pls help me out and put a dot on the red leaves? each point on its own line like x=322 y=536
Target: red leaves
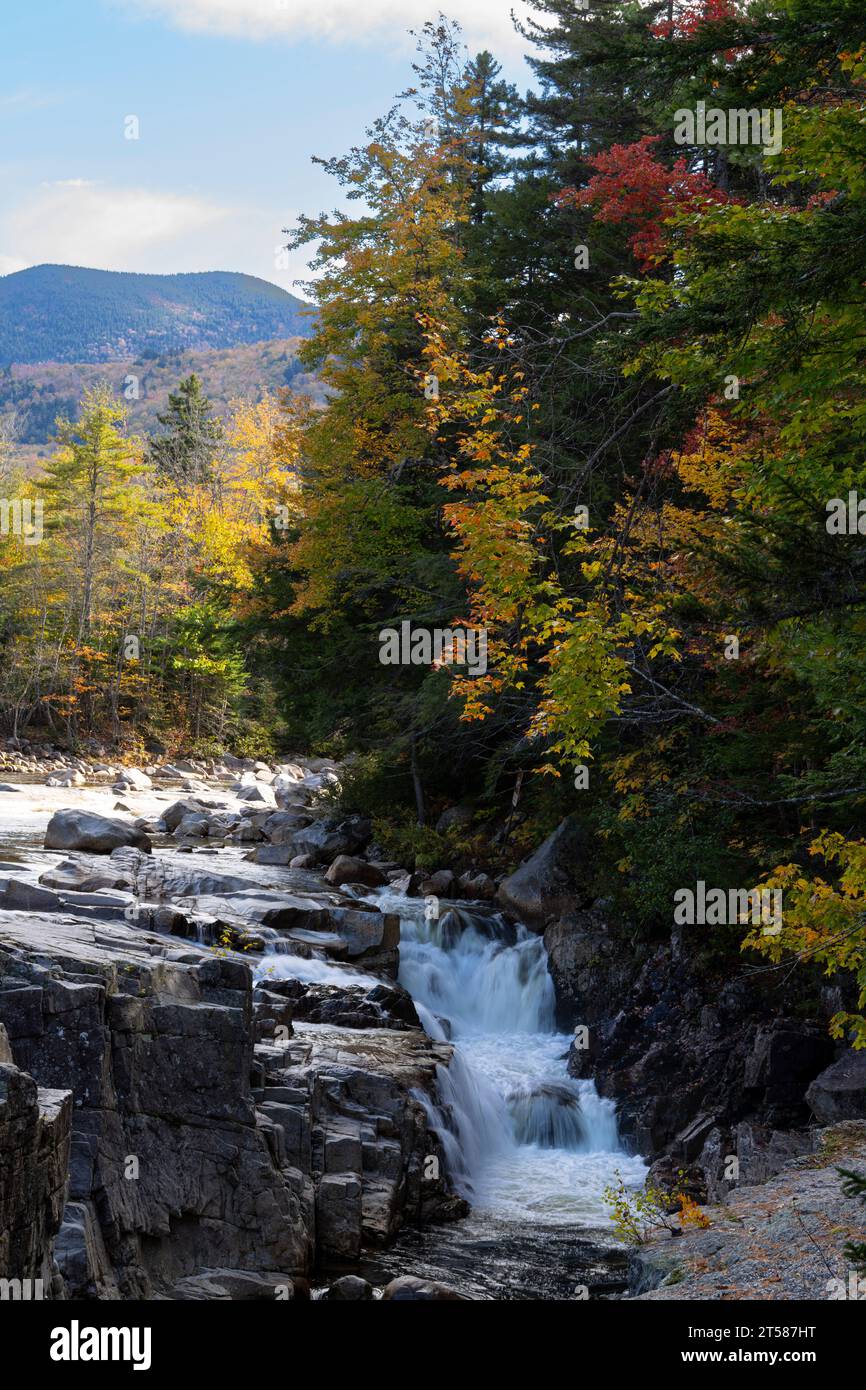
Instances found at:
x=631 y=185
x=691 y=16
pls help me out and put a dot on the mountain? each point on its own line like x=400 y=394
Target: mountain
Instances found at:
x=66 y=313
x=34 y=394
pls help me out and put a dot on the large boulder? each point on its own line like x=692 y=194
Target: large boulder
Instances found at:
x=839 y=1093
x=325 y=839
x=440 y=884
x=86 y=830
x=195 y=825
x=348 y=869
x=172 y=816
x=281 y=826
x=548 y=884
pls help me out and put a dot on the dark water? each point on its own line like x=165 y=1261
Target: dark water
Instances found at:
x=485 y=1258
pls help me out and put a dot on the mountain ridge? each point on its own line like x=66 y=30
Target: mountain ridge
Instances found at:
x=60 y=313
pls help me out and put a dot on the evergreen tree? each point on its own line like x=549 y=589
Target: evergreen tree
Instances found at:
x=185 y=453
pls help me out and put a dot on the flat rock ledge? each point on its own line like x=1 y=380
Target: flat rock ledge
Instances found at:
x=782 y=1240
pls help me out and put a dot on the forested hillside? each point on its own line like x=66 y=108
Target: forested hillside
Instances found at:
x=33 y=395
x=66 y=313
x=595 y=379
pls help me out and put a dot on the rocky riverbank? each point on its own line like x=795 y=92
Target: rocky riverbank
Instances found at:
x=213 y=1086
x=783 y=1239
x=170 y=1124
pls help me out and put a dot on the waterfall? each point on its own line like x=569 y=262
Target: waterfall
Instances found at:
x=522 y=1138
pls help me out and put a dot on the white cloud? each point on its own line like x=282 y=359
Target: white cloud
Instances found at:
x=485 y=22
x=77 y=222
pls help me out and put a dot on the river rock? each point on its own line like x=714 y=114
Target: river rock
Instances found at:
x=275 y=854
x=349 y=1006
x=194 y=825
x=85 y=830
x=348 y=869
x=172 y=816
x=326 y=839
x=477 y=886
x=257 y=794
x=281 y=826
x=134 y=778
x=408 y=883
x=66 y=779
x=408 y=1288
x=349 y=1289
x=440 y=884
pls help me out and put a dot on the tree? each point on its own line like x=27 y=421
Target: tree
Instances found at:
x=185 y=453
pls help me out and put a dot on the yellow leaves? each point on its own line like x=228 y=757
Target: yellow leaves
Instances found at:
x=691 y=1215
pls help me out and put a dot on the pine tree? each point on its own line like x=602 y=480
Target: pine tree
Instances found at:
x=185 y=453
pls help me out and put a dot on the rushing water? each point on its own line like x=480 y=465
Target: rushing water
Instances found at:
x=524 y=1140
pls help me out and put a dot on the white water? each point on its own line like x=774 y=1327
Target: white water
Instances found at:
x=523 y=1139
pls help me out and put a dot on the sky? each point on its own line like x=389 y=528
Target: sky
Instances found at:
x=229 y=100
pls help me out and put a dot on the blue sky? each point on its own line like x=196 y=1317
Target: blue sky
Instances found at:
x=232 y=98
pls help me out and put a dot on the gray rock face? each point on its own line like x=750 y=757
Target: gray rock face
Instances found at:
x=211 y=1140
x=839 y=1093
x=85 y=830
x=35 y=1128
x=548 y=884
x=170 y=1170
x=760 y=1155
x=344 y=1107
x=82 y=876
x=24 y=897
